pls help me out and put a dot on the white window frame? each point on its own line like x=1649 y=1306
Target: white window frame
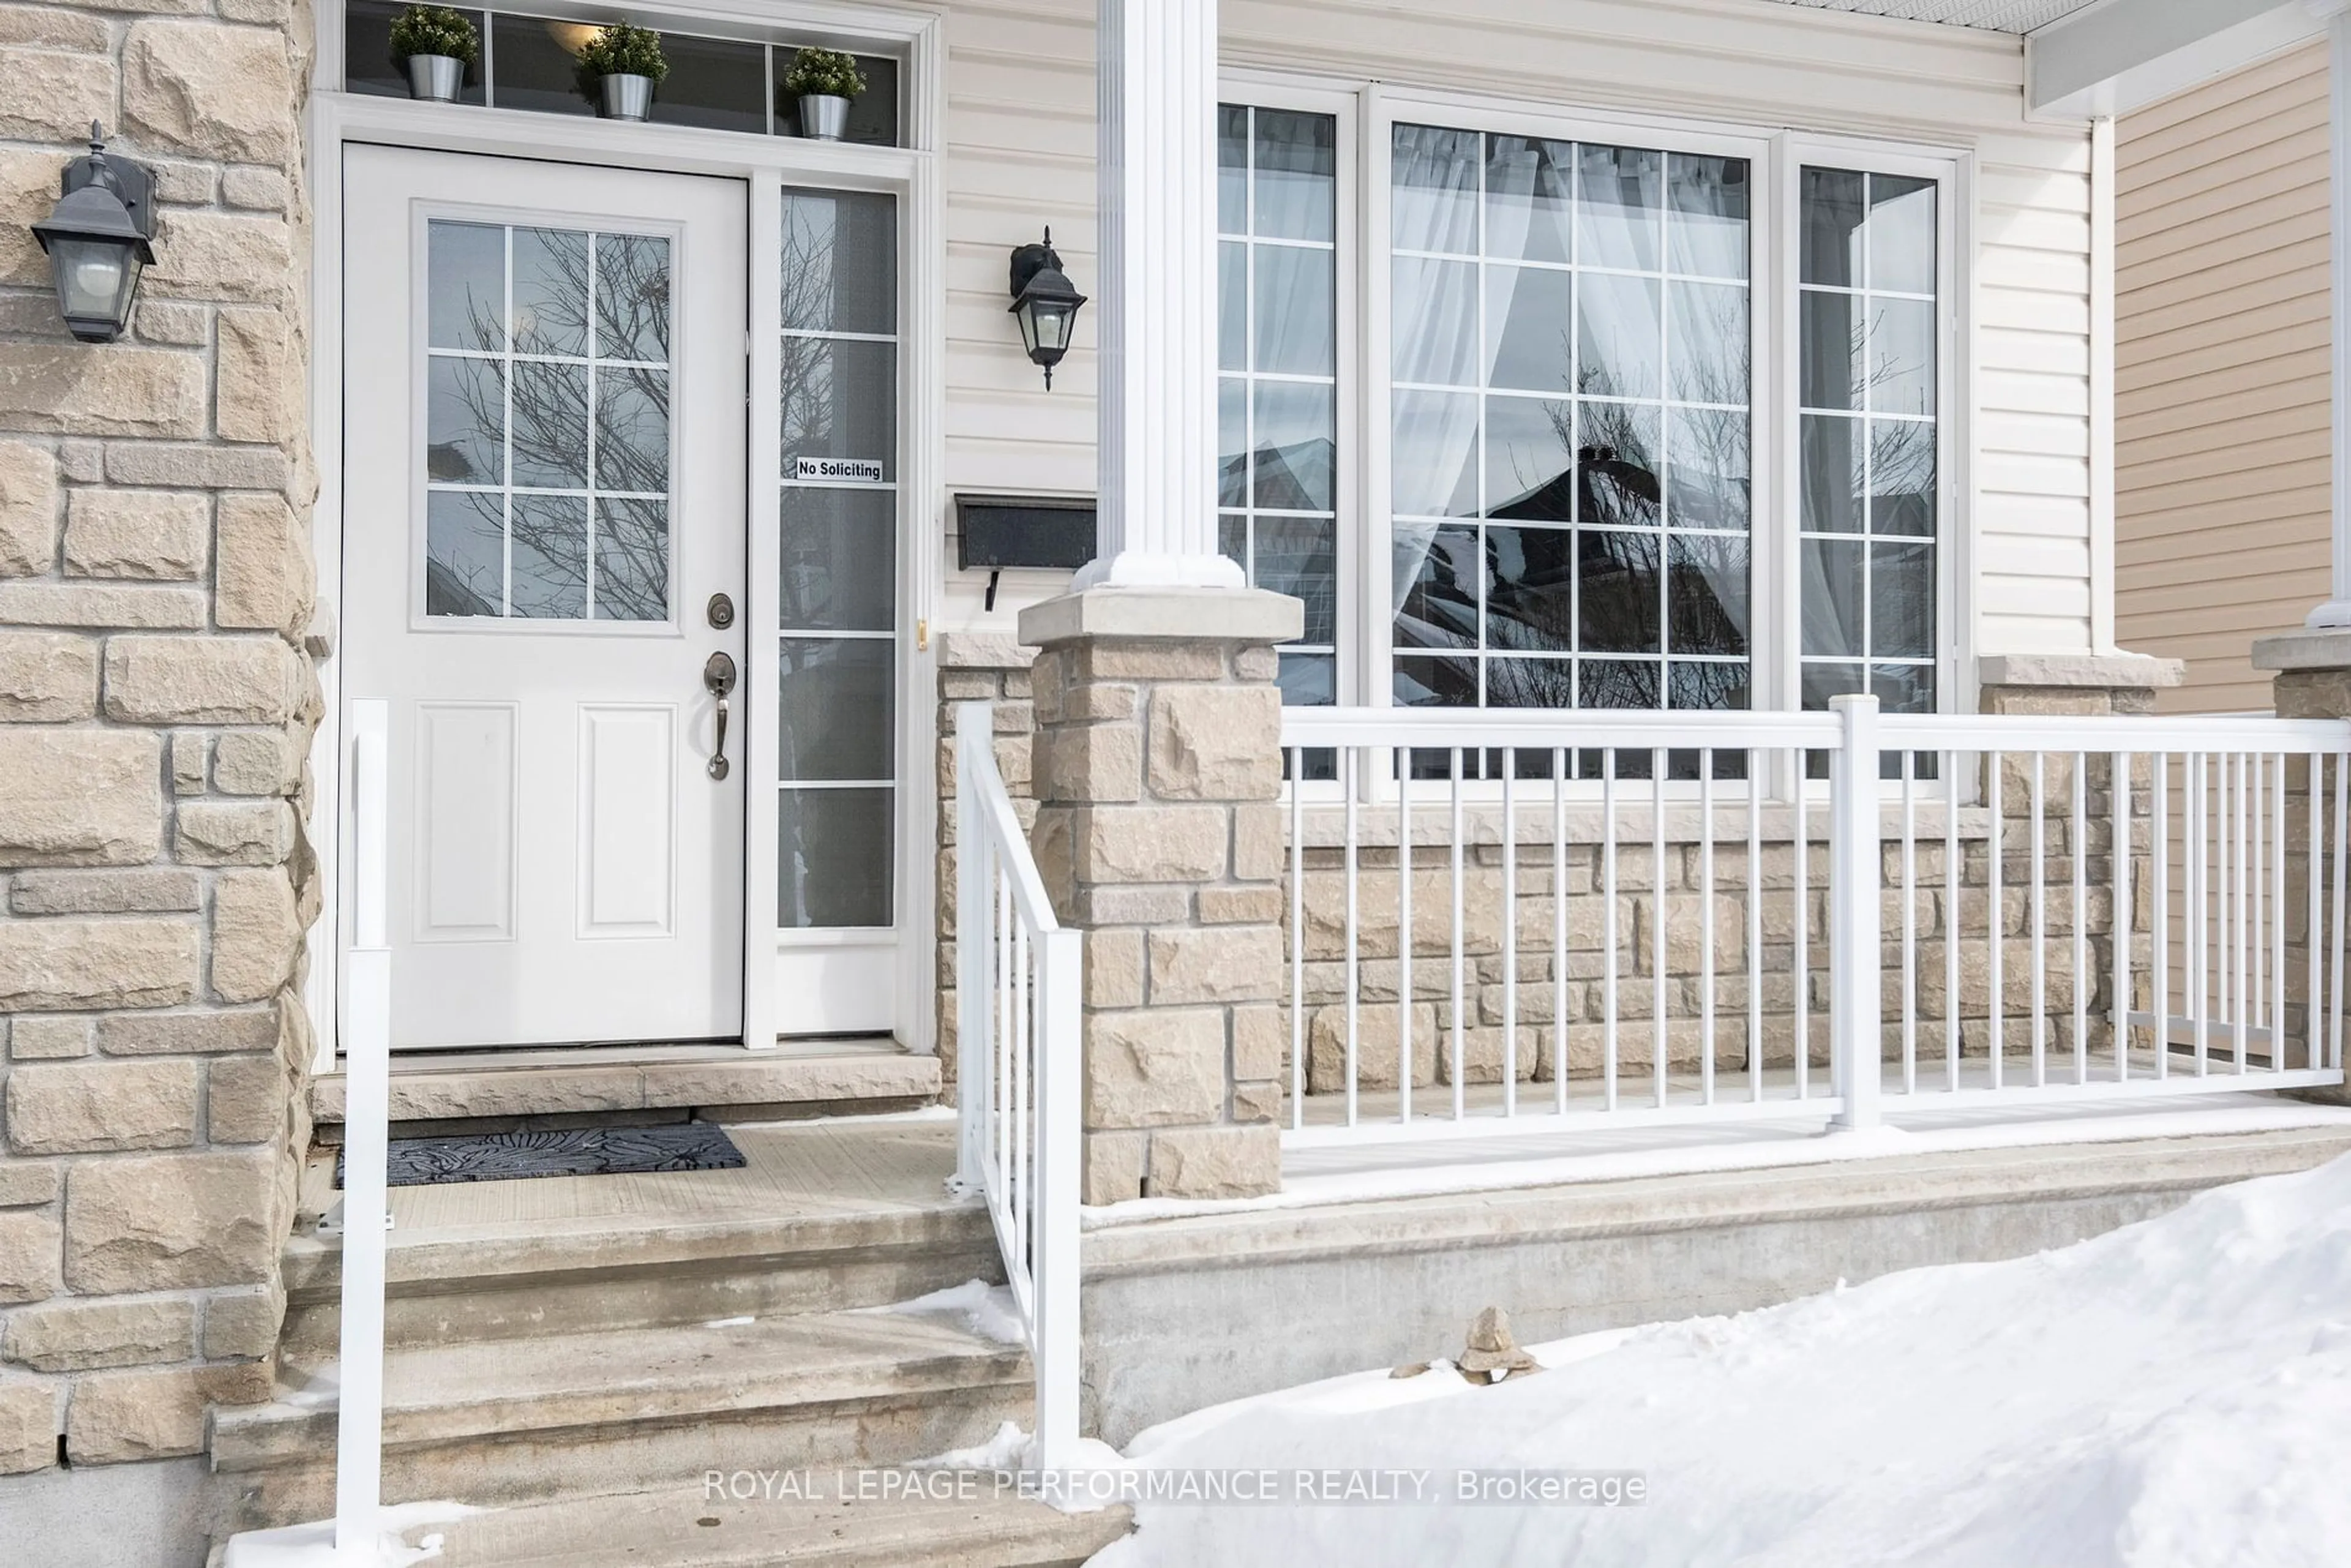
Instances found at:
x=1368 y=113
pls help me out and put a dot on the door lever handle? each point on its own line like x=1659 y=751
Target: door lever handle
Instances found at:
x=718 y=678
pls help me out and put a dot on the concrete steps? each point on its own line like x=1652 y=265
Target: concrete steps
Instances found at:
x=498 y=1422
x=576 y=1354
x=683 y=1528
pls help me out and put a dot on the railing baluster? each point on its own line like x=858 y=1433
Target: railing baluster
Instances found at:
x=1706 y=924
x=1608 y=927
x=1996 y=920
x=1954 y=878
x=1403 y=935
x=1803 y=847
x=2334 y=992
x=1297 y=936
x=2315 y=777
x=1346 y=770
x=2040 y=925
x=2123 y=920
x=2277 y=917
x=2159 y=949
x=1754 y=890
x=1659 y=1046
x=2079 y=845
x=1909 y=922
x=2196 y=787
x=1559 y=929
x=1460 y=1099
x=1509 y=933
x=2239 y=997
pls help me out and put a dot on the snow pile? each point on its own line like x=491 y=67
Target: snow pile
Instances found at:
x=2178 y=1392
x=313 y=1545
x=987 y=1311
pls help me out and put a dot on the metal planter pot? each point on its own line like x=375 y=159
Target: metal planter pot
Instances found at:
x=625 y=96
x=435 y=77
x=824 y=118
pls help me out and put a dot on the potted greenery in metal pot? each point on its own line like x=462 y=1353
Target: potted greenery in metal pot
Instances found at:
x=824 y=82
x=434 y=45
x=618 y=69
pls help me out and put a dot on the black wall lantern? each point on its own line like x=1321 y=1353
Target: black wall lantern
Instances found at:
x=97 y=237
x=1045 y=302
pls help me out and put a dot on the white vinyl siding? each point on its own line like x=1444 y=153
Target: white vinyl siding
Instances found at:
x=2221 y=400
x=1020 y=154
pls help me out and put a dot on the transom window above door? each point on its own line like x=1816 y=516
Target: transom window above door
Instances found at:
x=547 y=428
x=1615 y=451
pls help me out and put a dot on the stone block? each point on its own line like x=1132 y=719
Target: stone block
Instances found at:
x=1150 y=843
x=255 y=762
x=246 y=1102
x=80 y=796
x=1216 y=964
x=211 y=91
x=116 y=1417
x=256 y=190
x=165 y=1222
x=85 y=1336
x=34 y=1038
x=222 y=256
x=1145 y=659
x=1214 y=1162
x=1091 y=762
x=1215 y=743
x=29 y=1184
x=154 y=536
x=1241 y=906
x=89 y=604
x=1114 y=969
x=1260 y=842
x=140 y=891
x=101 y=1106
x=48 y=27
x=29 y=1249
x=240 y=833
x=1260 y=1041
x=210 y=1032
x=1113 y=1166
x=53 y=96
x=1165 y=904
x=258 y=378
x=195 y=468
x=175 y=322
x=202 y=680
x=47 y=677
x=82 y=461
x=1378 y=1059
x=1257 y=1102
x=189 y=751
x=28 y=503
x=116 y=389
x=1482 y=1055
x=68 y=964
x=28 y=1424
x=244 y=1323
x=256 y=935
x=1155 y=1066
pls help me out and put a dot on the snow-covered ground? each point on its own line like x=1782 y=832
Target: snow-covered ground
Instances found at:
x=2177 y=1393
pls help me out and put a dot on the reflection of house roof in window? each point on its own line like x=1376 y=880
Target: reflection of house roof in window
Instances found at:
x=1295 y=478
x=1548 y=502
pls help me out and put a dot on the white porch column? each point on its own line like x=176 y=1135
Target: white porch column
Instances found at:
x=2337 y=610
x=1157 y=166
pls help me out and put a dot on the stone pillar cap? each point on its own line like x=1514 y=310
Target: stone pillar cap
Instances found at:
x=2325 y=648
x=2109 y=671
x=1182 y=614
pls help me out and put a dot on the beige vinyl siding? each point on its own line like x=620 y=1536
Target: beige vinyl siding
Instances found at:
x=2221 y=368
x=1019 y=85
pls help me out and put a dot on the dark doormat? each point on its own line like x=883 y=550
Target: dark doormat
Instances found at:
x=572 y=1151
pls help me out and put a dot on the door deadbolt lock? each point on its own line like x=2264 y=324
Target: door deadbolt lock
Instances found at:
x=719 y=679
x=721 y=611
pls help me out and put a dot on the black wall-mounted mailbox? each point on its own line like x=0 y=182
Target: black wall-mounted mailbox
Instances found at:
x=1046 y=533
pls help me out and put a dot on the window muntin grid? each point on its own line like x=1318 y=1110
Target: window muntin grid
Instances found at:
x=1570 y=422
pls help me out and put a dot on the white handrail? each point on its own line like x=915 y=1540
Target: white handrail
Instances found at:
x=1017 y=1023
x=367 y=1106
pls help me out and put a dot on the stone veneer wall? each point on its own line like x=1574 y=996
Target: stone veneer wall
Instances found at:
x=157 y=699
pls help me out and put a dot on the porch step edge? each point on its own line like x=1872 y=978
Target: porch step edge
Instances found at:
x=479 y=1091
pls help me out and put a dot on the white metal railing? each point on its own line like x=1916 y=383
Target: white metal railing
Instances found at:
x=1812 y=914
x=1017 y=1075
x=366 y=1109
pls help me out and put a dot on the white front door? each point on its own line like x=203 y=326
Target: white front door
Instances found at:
x=544 y=529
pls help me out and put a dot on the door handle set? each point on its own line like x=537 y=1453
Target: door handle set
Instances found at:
x=719 y=679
